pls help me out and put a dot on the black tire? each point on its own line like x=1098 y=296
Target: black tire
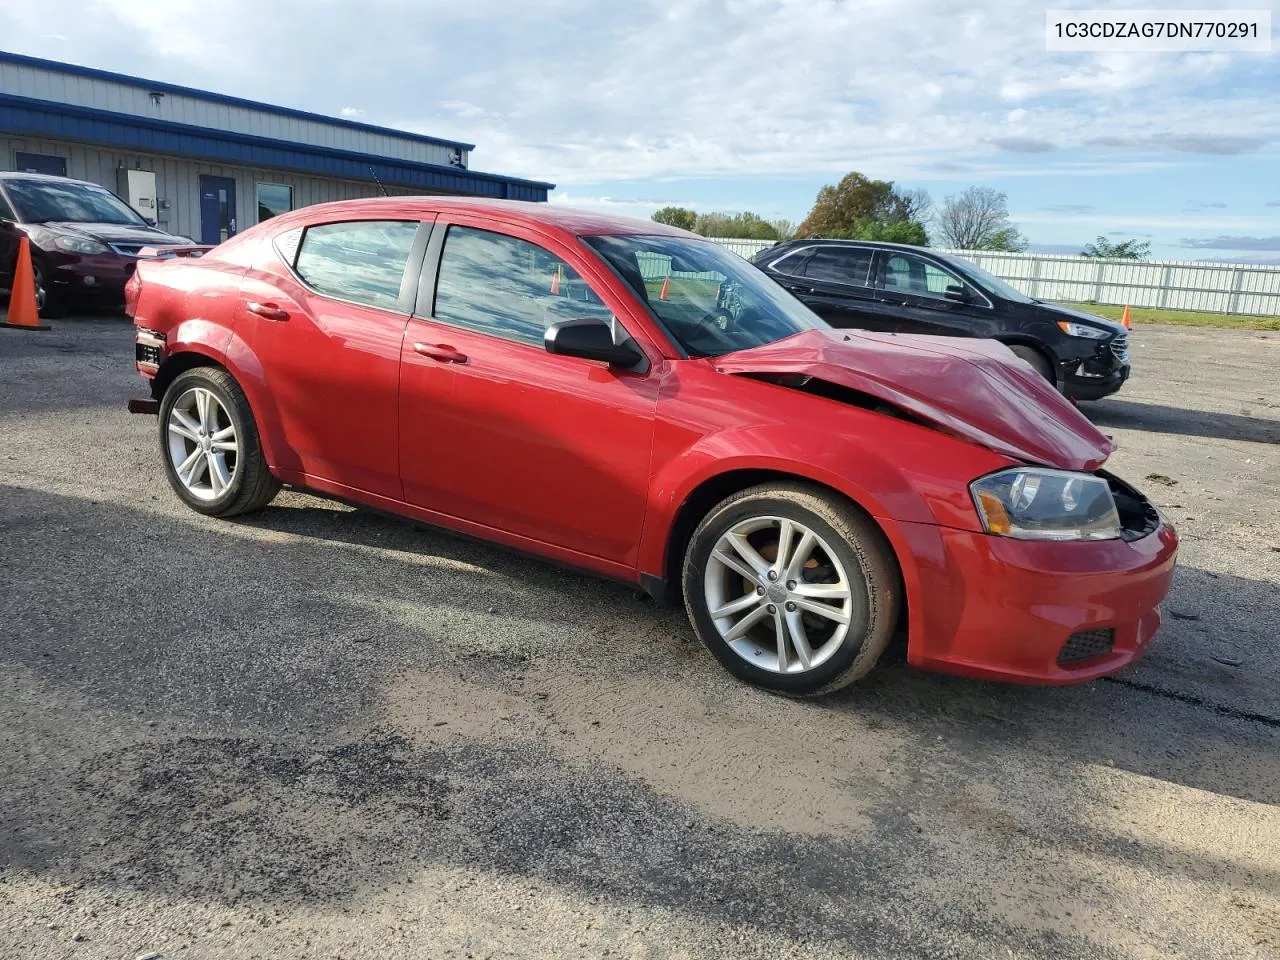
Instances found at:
x=861 y=549
x=1037 y=360
x=50 y=304
x=252 y=485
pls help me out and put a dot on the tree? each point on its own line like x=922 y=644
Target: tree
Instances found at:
x=676 y=217
x=742 y=226
x=978 y=219
x=1117 y=250
x=864 y=209
x=785 y=229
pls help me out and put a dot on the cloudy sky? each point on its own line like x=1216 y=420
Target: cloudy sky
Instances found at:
x=749 y=104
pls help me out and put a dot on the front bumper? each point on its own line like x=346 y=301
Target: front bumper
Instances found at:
x=1036 y=611
x=1094 y=369
x=98 y=277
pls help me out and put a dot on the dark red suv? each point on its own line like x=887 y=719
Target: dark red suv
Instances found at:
x=84 y=239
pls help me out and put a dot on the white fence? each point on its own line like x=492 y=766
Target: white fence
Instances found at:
x=1244 y=288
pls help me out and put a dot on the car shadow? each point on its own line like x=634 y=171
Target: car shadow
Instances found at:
x=1159 y=418
x=196 y=713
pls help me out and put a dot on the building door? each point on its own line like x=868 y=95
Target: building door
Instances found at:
x=217 y=208
x=40 y=163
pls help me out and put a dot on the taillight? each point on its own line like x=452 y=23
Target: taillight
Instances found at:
x=132 y=289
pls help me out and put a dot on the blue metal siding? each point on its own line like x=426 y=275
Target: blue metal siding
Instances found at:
x=28 y=82
x=68 y=122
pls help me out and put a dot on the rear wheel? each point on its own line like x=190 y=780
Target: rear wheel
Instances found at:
x=792 y=589
x=1037 y=360
x=209 y=441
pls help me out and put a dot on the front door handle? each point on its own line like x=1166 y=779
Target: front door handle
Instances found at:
x=440 y=351
x=268 y=311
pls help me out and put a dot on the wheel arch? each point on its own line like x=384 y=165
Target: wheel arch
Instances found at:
x=179 y=363
x=1022 y=340
x=667 y=588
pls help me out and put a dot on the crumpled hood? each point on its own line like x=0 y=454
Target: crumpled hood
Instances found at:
x=974 y=389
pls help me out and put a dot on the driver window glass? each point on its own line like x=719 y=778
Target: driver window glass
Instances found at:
x=509 y=288
x=840 y=265
x=904 y=273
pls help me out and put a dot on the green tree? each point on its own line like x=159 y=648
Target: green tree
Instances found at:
x=978 y=219
x=1103 y=248
x=676 y=217
x=860 y=208
x=742 y=226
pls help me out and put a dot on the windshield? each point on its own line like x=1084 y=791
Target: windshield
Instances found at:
x=710 y=300
x=992 y=284
x=45 y=201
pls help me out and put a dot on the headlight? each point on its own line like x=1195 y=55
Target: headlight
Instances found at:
x=1036 y=503
x=81 y=245
x=1082 y=330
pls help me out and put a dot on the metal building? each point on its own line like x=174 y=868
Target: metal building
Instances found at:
x=204 y=165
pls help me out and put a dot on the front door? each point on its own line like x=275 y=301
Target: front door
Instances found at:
x=915 y=290
x=495 y=430
x=326 y=320
x=217 y=208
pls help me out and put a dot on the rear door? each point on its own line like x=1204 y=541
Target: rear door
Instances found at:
x=913 y=290
x=544 y=448
x=326 y=316
x=834 y=281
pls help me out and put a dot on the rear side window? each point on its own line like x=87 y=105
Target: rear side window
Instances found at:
x=509 y=288
x=362 y=261
x=840 y=265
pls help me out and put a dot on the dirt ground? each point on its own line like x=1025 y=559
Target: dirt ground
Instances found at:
x=319 y=732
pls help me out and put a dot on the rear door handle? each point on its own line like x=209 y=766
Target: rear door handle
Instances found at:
x=440 y=351
x=268 y=311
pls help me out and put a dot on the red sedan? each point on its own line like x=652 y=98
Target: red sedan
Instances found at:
x=636 y=401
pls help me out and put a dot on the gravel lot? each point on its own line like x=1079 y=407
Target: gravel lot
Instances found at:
x=319 y=732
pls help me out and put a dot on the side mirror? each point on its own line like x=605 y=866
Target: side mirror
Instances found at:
x=956 y=293
x=591 y=339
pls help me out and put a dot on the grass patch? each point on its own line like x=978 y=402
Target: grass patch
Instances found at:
x=1182 y=318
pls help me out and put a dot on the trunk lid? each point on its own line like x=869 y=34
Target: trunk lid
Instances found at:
x=974 y=389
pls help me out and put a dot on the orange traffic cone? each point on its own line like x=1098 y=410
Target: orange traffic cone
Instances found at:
x=555 y=282
x=666 y=287
x=1124 y=320
x=23 y=313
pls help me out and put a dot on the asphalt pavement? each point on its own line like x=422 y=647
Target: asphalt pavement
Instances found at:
x=322 y=732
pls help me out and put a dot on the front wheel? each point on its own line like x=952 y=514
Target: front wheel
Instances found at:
x=50 y=304
x=791 y=588
x=209 y=441
x=1039 y=362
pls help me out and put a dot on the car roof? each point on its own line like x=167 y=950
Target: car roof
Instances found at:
x=837 y=241
x=583 y=223
x=46 y=177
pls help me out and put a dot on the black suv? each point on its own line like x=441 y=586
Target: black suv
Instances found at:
x=901 y=289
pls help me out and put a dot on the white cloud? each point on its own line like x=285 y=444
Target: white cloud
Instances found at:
x=351 y=112
x=578 y=91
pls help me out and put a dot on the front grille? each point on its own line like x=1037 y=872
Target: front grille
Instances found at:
x=148 y=353
x=1120 y=347
x=127 y=249
x=1086 y=645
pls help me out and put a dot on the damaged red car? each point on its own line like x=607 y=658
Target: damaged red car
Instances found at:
x=637 y=401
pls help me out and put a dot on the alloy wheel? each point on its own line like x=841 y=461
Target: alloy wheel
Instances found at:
x=778 y=594
x=203 y=446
